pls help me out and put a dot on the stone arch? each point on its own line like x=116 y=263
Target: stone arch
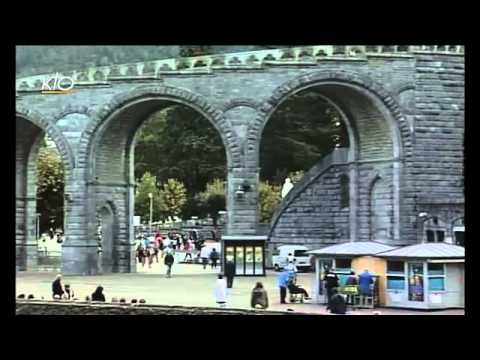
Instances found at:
x=251 y=103
x=380 y=207
x=165 y=93
x=48 y=126
x=106 y=210
x=380 y=130
x=32 y=125
x=72 y=109
x=398 y=126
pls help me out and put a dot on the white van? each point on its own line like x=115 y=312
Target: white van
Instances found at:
x=279 y=257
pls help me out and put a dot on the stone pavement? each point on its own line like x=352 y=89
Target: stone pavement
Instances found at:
x=190 y=285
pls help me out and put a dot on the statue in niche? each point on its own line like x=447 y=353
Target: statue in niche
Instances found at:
x=287 y=186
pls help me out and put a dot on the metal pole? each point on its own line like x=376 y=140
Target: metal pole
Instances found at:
x=150 y=195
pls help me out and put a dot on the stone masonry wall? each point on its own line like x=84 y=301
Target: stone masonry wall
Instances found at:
x=58 y=308
x=315 y=218
x=439 y=126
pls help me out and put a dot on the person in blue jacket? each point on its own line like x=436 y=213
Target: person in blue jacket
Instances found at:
x=365 y=279
x=283 y=278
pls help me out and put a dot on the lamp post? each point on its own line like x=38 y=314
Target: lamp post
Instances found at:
x=150 y=195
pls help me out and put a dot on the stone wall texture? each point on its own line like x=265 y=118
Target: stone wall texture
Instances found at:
x=58 y=308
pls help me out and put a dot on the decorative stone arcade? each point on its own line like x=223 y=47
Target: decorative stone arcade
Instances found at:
x=396 y=101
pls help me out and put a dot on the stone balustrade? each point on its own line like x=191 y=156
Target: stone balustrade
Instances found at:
x=248 y=60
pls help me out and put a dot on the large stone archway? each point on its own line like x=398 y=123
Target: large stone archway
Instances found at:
x=106 y=155
x=30 y=130
x=381 y=146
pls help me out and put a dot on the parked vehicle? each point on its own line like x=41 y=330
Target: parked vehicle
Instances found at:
x=302 y=260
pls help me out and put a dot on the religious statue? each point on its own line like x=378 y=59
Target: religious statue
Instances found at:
x=287 y=186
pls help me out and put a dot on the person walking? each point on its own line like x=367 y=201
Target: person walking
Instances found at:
x=204 y=254
x=98 y=294
x=141 y=255
x=169 y=260
x=283 y=278
x=259 y=297
x=57 y=287
x=214 y=258
x=188 y=251
x=220 y=291
x=331 y=283
x=229 y=273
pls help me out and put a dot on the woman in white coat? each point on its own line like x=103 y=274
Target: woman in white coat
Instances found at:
x=220 y=291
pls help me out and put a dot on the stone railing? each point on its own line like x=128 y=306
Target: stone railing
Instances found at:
x=39 y=307
x=303 y=55
x=338 y=156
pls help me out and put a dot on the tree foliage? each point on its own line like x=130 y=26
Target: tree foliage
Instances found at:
x=50 y=188
x=174 y=196
x=179 y=143
x=213 y=199
x=148 y=185
x=269 y=197
x=302 y=130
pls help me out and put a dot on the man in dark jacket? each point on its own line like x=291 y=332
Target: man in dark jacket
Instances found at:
x=57 y=287
x=169 y=260
x=98 y=294
x=214 y=257
x=229 y=273
x=337 y=303
x=331 y=282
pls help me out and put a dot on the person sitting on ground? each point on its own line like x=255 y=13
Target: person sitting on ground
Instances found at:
x=337 y=304
x=57 y=287
x=98 y=294
x=259 y=297
x=68 y=292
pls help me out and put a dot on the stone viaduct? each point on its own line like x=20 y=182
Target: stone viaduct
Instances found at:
x=403 y=107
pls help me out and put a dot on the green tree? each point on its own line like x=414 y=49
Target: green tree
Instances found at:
x=269 y=199
x=148 y=185
x=213 y=199
x=50 y=188
x=174 y=196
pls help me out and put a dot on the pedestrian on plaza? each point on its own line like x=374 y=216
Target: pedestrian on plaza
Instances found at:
x=98 y=294
x=220 y=291
x=331 y=283
x=259 y=297
x=141 y=255
x=169 y=260
x=204 y=254
x=214 y=258
x=57 y=287
x=365 y=279
x=188 y=251
x=337 y=304
x=151 y=254
x=283 y=278
x=293 y=288
x=229 y=273
x=68 y=292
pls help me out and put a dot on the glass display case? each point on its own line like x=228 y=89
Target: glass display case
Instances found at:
x=247 y=255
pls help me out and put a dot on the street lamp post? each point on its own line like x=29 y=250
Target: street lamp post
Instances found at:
x=150 y=195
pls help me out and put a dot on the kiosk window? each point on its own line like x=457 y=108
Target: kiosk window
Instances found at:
x=436 y=277
x=415 y=282
x=395 y=275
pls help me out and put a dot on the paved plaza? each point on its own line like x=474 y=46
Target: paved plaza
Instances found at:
x=190 y=285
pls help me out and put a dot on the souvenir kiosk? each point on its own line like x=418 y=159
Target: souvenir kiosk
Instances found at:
x=425 y=276
x=247 y=253
x=347 y=257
